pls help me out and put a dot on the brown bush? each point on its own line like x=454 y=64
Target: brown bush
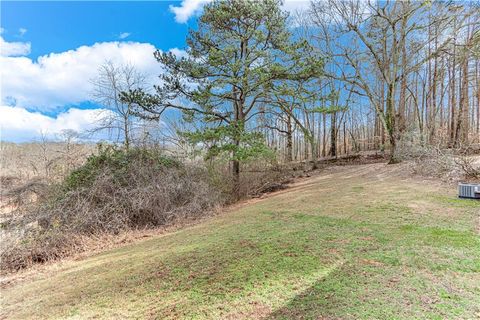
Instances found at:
x=451 y=164
x=469 y=165
x=14 y=196
x=134 y=190
x=256 y=177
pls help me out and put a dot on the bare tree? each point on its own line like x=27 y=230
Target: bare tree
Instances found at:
x=380 y=36
x=120 y=120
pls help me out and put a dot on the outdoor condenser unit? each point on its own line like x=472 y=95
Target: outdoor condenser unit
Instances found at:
x=469 y=190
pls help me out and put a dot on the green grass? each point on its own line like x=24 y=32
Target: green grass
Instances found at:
x=348 y=244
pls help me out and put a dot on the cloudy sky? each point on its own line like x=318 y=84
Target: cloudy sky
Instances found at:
x=49 y=52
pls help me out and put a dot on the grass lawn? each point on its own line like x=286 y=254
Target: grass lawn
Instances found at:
x=356 y=242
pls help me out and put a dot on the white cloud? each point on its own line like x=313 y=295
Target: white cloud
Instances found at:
x=187 y=9
x=11 y=49
x=22 y=31
x=190 y=8
x=294 y=6
x=60 y=79
x=30 y=87
x=124 y=35
x=18 y=124
x=2 y=30
x=179 y=53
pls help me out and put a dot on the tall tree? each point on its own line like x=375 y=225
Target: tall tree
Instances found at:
x=238 y=50
x=378 y=33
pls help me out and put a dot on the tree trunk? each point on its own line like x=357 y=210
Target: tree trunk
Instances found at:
x=313 y=145
x=236 y=178
x=461 y=133
x=390 y=124
x=434 y=95
x=376 y=132
x=333 y=135
x=324 y=135
x=289 y=151
x=126 y=133
x=382 y=105
x=477 y=75
x=453 y=90
x=393 y=150
x=402 y=104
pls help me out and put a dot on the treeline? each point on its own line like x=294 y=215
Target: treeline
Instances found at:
x=415 y=64
x=402 y=70
x=338 y=78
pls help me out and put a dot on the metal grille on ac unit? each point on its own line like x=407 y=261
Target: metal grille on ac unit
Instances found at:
x=469 y=190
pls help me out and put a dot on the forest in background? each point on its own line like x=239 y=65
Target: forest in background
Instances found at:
x=337 y=79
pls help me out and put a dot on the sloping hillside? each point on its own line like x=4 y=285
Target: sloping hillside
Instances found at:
x=353 y=242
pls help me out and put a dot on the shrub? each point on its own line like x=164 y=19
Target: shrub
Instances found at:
x=118 y=162
x=114 y=191
x=117 y=191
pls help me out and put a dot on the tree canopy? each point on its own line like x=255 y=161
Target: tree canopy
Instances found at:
x=240 y=49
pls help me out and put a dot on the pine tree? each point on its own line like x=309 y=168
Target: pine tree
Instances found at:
x=239 y=49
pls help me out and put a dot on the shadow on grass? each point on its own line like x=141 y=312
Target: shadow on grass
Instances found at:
x=339 y=295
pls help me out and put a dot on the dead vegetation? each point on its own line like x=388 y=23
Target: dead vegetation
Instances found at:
x=59 y=224
x=44 y=159
x=116 y=192
x=113 y=192
x=15 y=196
x=27 y=169
x=449 y=164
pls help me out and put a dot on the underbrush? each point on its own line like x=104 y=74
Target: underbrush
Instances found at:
x=117 y=191
x=114 y=191
x=448 y=164
x=256 y=178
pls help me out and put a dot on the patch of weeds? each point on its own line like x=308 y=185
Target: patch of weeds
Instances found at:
x=388 y=258
x=435 y=236
x=456 y=202
x=444 y=294
x=74 y=312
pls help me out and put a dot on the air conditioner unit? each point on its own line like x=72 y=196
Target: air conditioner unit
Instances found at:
x=469 y=190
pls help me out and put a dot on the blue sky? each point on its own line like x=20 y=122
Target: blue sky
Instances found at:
x=60 y=26
x=49 y=52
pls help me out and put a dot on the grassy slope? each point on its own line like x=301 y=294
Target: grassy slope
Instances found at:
x=351 y=243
